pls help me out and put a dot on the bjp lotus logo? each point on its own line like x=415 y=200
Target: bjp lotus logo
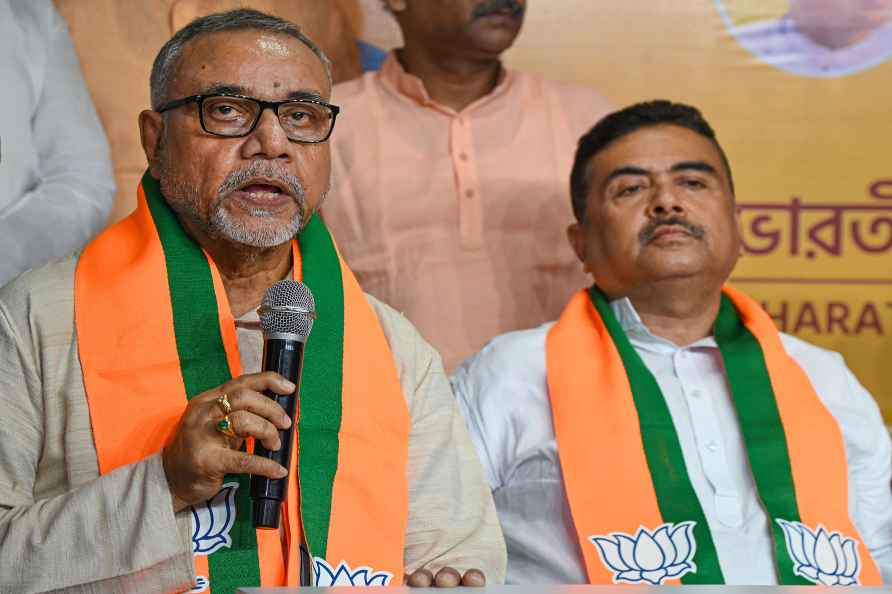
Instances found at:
x=824 y=558
x=650 y=557
x=212 y=520
x=342 y=575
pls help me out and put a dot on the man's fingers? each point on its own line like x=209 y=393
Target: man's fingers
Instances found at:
x=243 y=463
x=421 y=578
x=447 y=578
x=473 y=578
x=245 y=424
x=259 y=382
x=260 y=405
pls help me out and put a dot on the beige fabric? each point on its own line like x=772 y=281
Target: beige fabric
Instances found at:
x=63 y=526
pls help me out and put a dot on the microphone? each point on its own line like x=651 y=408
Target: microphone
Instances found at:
x=286 y=318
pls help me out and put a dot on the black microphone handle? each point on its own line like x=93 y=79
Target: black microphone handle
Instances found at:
x=284 y=356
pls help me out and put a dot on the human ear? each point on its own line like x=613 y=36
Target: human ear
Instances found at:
x=576 y=238
x=151 y=131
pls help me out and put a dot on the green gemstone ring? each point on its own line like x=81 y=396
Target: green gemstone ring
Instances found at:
x=224 y=426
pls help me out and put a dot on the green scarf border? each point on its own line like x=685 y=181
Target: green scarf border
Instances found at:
x=764 y=438
x=204 y=365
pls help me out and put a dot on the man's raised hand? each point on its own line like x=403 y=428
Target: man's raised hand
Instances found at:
x=199 y=455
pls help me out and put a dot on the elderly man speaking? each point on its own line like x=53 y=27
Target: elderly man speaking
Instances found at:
x=663 y=429
x=128 y=390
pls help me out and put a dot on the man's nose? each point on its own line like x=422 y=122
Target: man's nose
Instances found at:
x=665 y=201
x=268 y=140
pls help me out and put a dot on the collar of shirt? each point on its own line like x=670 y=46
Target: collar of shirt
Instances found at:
x=408 y=85
x=642 y=338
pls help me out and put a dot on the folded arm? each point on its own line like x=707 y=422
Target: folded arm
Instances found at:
x=115 y=533
x=62 y=529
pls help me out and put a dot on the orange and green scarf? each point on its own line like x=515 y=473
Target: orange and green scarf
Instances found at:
x=637 y=517
x=154 y=329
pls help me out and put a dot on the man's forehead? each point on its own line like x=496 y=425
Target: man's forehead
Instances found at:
x=256 y=61
x=659 y=147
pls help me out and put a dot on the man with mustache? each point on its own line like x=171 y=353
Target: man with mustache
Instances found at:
x=116 y=42
x=663 y=430
x=824 y=37
x=130 y=373
x=449 y=189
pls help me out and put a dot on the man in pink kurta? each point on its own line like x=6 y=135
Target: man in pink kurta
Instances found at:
x=450 y=177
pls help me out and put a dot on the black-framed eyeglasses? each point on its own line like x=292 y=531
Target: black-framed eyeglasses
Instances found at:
x=303 y=120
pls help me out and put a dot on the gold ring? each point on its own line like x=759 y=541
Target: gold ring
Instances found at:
x=224 y=404
x=224 y=426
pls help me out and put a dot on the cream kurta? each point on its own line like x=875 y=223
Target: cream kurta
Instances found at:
x=64 y=526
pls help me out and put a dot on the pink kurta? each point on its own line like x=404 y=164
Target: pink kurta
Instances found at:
x=458 y=219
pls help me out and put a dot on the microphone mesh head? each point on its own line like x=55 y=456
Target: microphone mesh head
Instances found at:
x=288 y=308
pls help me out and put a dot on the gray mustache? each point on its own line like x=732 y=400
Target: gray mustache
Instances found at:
x=260 y=169
x=646 y=234
x=493 y=6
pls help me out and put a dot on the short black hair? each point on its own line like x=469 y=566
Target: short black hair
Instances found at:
x=625 y=121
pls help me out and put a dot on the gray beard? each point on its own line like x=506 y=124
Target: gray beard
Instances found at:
x=183 y=198
x=223 y=224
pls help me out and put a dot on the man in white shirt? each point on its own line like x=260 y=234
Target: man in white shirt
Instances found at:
x=823 y=37
x=662 y=429
x=56 y=184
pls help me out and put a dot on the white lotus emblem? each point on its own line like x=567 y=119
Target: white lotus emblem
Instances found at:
x=212 y=520
x=824 y=558
x=342 y=575
x=650 y=557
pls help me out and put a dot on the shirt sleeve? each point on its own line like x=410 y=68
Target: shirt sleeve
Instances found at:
x=452 y=518
x=503 y=396
x=470 y=382
x=115 y=533
x=74 y=195
x=869 y=454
